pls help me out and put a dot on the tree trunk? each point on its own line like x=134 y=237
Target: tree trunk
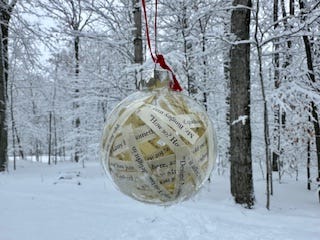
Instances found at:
x=276 y=129
x=312 y=78
x=55 y=144
x=240 y=132
x=5 y=14
x=76 y=104
x=3 y=105
x=50 y=137
x=226 y=74
x=13 y=127
x=19 y=143
x=137 y=33
x=203 y=26
x=269 y=185
x=308 y=163
x=291 y=7
x=288 y=56
x=137 y=38
x=188 y=54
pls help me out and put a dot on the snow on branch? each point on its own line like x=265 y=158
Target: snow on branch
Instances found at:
x=242 y=119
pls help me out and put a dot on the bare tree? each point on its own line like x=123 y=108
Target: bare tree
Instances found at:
x=14 y=130
x=279 y=114
x=74 y=18
x=269 y=186
x=240 y=132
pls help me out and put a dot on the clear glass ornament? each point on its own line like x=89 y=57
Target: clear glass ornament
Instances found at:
x=158 y=145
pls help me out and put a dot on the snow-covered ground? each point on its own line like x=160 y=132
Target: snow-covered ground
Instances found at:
x=68 y=202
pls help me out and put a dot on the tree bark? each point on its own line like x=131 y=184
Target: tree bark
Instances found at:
x=188 y=53
x=137 y=33
x=276 y=130
x=203 y=28
x=137 y=37
x=3 y=105
x=287 y=27
x=312 y=78
x=240 y=132
x=5 y=15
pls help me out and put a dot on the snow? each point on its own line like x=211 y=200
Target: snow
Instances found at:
x=241 y=119
x=68 y=202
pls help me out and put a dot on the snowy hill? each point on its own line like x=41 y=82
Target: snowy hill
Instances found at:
x=68 y=202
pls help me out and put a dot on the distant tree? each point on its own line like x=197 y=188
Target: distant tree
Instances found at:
x=6 y=8
x=119 y=34
x=191 y=36
x=189 y=25
x=269 y=186
x=280 y=75
x=137 y=36
x=240 y=132
x=276 y=129
x=73 y=17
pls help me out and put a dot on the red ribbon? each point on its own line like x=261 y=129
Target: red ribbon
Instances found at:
x=158 y=58
x=174 y=85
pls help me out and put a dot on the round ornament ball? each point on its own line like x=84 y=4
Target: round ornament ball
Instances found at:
x=158 y=145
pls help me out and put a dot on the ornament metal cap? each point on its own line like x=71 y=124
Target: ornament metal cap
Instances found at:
x=155 y=79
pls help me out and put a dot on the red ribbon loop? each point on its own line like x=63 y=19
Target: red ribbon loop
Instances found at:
x=159 y=59
x=174 y=85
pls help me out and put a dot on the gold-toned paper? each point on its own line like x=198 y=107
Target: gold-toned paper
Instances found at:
x=159 y=146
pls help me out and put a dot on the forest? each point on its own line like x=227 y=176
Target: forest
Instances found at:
x=66 y=63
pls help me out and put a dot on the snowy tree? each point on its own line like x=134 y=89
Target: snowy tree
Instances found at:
x=72 y=17
x=240 y=132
